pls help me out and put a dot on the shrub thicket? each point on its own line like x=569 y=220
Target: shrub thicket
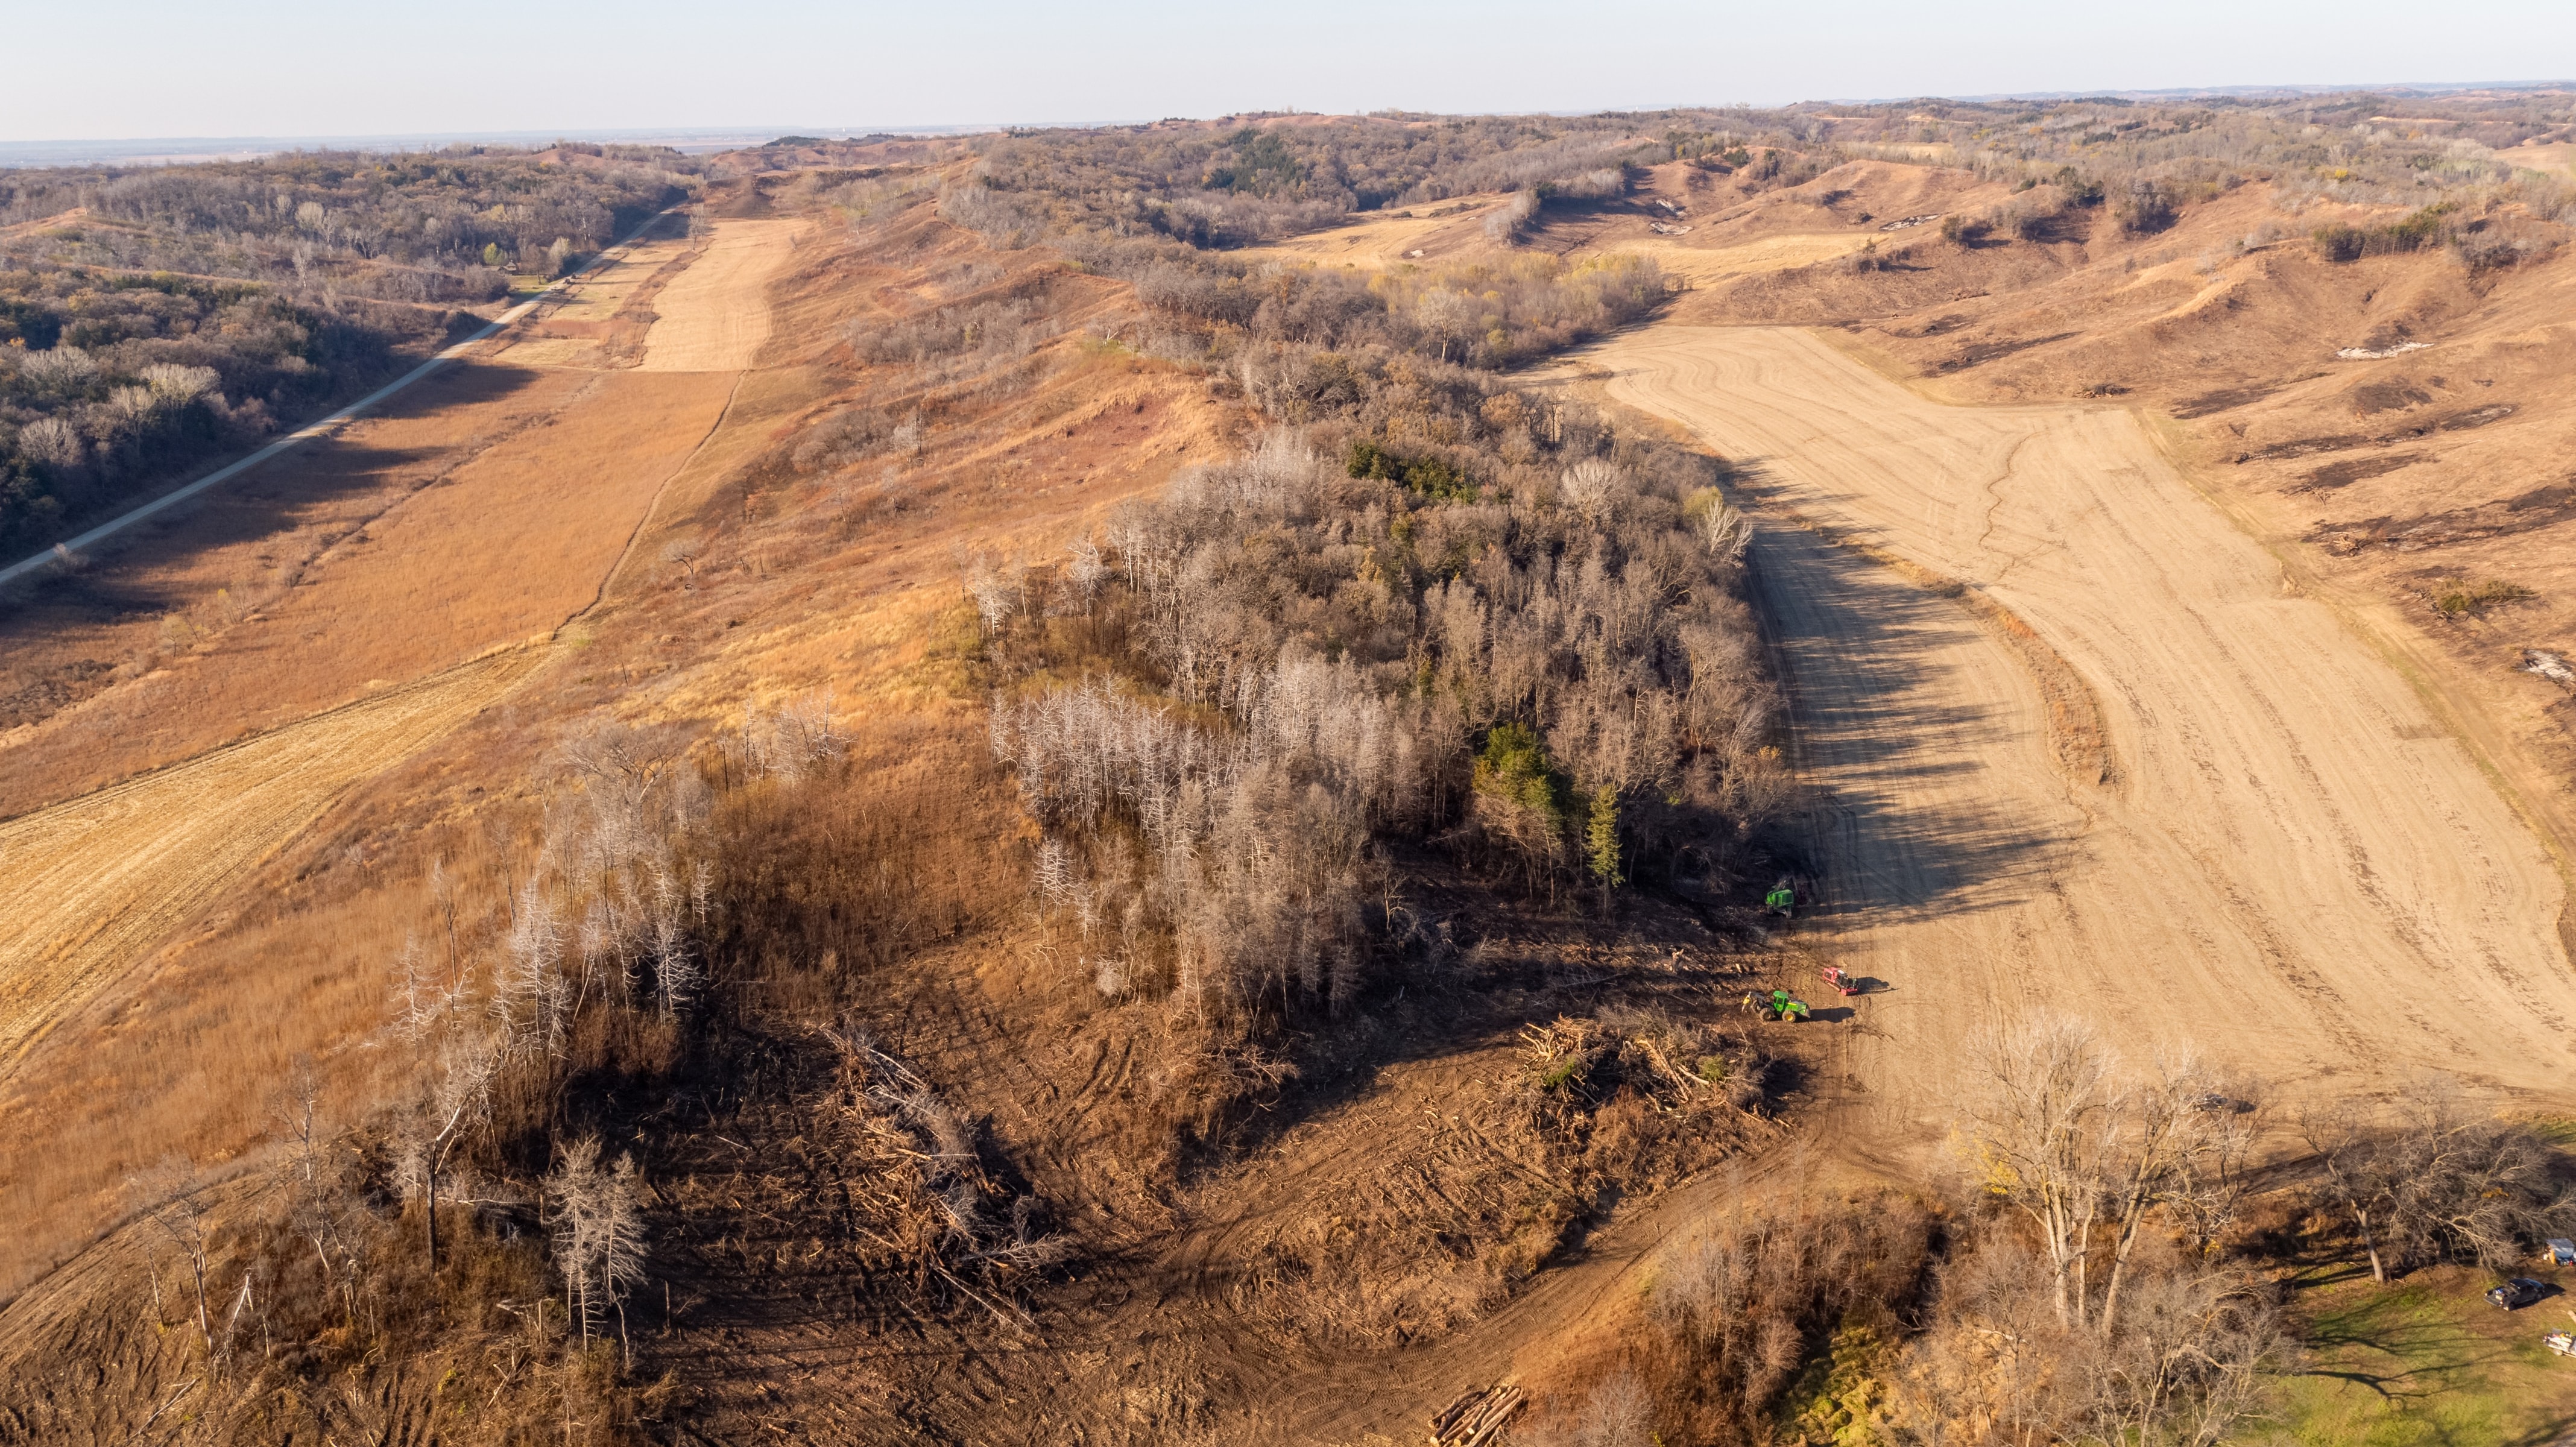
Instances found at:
x=1226 y=711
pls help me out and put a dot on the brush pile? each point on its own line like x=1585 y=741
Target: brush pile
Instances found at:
x=915 y=1188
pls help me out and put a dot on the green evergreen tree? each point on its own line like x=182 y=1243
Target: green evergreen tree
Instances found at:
x=1601 y=840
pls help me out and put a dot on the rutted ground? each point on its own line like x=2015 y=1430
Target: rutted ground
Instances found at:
x=2290 y=866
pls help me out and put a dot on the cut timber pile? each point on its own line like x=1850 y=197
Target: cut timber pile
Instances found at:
x=1478 y=1416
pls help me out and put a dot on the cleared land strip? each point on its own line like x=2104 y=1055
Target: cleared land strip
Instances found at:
x=2291 y=869
x=714 y=317
x=95 y=883
x=14 y=571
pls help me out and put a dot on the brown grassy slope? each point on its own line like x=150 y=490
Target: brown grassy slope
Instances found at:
x=2388 y=485
x=804 y=582
x=1410 y=1200
x=425 y=568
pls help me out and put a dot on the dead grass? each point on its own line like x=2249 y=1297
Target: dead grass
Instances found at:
x=885 y=890
x=1430 y=232
x=714 y=315
x=506 y=543
x=805 y=582
x=195 y=1065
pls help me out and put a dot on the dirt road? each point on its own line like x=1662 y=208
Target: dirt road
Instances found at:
x=2290 y=868
x=95 y=883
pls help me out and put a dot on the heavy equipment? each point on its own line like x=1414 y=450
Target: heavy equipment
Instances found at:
x=1776 y=1006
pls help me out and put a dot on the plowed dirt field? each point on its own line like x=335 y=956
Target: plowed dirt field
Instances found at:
x=714 y=317
x=2193 y=808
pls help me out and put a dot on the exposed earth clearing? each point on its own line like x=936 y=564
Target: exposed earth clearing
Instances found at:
x=714 y=316
x=2288 y=865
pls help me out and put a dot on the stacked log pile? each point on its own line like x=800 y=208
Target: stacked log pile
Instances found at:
x=1478 y=1416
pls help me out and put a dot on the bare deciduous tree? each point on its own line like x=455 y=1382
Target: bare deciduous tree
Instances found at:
x=173 y=1196
x=2084 y=1154
x=599 y=1235
x=2433 y=1177
x=459 y=1098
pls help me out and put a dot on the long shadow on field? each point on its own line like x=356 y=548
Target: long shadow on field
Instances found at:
x=1904 y=819
x=268 y=501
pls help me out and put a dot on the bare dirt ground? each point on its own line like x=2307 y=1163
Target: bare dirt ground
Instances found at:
x=713 y=316
x=2288 y=866
x=97 y=882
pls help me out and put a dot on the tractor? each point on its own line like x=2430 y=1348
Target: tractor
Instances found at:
x=1782 y=899
x=1776 y=1006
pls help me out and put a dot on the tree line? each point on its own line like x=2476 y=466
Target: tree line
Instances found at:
x=129 y=352
x=2102 y=1264
x=1229 y=710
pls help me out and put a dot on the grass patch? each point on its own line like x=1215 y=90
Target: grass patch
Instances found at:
x=2458 y=597
x=2426 y=1361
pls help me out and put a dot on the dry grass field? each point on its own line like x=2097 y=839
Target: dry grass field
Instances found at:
x=714 y=317
x=400 y=564
x=2557 y=159
x=2101 y=701
x=98 y=882
x=1427 y=233
x=483 y=511
x=809 y=589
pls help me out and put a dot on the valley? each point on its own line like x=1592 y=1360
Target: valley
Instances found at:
x=1077 y=788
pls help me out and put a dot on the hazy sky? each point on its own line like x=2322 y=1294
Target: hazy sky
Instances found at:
x=295 y=67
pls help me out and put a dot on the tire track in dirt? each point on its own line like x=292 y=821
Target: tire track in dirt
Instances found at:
x=2297 y=873
x=97 y=882
x=1953 y=597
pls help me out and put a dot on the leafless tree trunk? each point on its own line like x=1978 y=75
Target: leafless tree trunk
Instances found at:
x=464 y=1091
x=2079 y=1151
x=2339 y=1135
x=599 y=1236
x=2177 y=1121
x=2040 y=1135
x=173 y=1194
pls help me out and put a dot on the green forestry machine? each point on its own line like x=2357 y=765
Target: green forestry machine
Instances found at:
x=1776 y=1006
